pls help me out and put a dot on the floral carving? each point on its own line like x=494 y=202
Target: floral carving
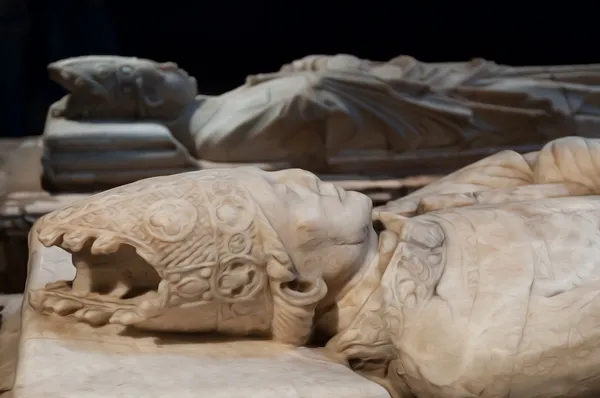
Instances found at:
x=238 y=279
x=234 y=214
x=171 y=220
x=192 y=288
x=239 y=243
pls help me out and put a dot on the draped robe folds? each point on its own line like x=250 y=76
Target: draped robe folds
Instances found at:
x=511 y=310
x=325 y=104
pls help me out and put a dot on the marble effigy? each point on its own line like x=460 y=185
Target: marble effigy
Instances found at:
x=129 y=118
x=484 y=283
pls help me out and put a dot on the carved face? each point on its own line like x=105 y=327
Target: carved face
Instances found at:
x=235 y=251
x=328 y=222
x=113 y=86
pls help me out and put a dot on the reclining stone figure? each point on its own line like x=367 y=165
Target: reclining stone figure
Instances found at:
x=485 y=283
x=129 y=118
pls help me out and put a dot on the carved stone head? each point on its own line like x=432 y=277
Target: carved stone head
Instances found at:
x=122 y=87
x=229 y=250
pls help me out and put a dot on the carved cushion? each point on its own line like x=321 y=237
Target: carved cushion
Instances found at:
x=62 y=358
x=64 y=134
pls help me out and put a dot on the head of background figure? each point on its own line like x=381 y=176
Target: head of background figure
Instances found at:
x=236 y=251
x=122 y=87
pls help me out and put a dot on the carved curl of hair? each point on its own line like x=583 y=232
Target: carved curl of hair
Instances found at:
x=294 y=299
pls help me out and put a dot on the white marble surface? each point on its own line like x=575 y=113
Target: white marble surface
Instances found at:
x=60 y=358
x=9 y=340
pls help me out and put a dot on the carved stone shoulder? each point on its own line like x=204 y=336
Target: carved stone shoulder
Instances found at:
x=411 y=261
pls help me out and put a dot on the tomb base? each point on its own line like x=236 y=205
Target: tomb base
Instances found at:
x=58 y=357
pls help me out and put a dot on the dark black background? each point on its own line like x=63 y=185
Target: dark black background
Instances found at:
x=221 y=42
